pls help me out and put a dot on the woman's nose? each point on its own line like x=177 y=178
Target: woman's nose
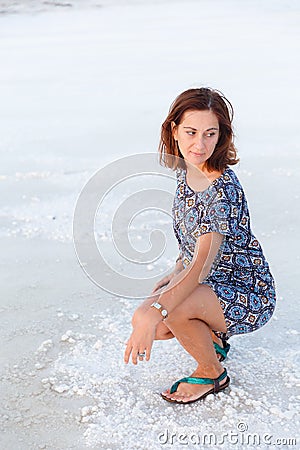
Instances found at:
x=199 y=142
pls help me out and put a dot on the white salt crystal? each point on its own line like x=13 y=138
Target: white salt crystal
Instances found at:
x=74 y=316
x=39 y=366
x=98 y=344
x=60 y=388
x=275 y=410
x=85 y=419
x=85 y=411
x=289 y=414
x=45 y=345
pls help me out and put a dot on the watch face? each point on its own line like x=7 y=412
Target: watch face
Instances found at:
x=156 y=305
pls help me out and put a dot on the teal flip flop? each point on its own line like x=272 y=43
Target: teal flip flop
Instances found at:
x=223 y=351
x=193 y=380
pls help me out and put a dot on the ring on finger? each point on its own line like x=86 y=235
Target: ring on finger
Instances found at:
x=142 y=355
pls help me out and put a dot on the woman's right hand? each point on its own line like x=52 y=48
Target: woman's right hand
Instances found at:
x=163 y=282
x=166 y=280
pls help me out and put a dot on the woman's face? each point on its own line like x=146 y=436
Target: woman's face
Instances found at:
x=197 y=136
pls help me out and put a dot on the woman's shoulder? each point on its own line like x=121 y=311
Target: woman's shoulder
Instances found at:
x=229 y=189
x=229 y=177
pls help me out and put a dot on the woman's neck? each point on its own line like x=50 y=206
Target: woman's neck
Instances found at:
x=199 y=179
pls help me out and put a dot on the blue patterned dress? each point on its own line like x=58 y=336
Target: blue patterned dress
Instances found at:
x=240 y=275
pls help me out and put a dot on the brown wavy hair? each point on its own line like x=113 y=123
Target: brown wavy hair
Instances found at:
x=199 y=99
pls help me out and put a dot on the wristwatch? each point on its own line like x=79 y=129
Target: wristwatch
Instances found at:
x=160 y=308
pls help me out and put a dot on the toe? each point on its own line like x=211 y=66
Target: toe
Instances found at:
x=180 y=396
x=166 y=392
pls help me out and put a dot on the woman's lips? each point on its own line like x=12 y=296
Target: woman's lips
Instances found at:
x=197 y=154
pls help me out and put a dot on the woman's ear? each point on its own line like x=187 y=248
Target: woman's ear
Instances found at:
x=174 y=130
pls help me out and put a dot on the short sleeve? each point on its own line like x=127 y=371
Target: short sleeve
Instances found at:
x=227 y=213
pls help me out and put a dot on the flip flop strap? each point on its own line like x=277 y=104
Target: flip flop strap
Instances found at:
x=222 y=351
x=226 y=346
x=194 y=380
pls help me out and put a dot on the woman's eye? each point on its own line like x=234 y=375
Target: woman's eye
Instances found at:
x=210 y=134
x=191 y=133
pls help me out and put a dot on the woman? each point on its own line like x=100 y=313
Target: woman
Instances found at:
x=221 y=285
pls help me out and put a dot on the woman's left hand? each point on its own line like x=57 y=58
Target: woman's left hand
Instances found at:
x=141 y=339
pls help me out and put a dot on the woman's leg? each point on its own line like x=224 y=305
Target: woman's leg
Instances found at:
x=191 y=323
x=163 y=332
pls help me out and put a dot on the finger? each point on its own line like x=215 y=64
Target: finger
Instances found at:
x=140 y=355
x=134 y=357
x=161 y=283
x=148 y=352
x=156 y=287
x=164 y=281
x=127 y=353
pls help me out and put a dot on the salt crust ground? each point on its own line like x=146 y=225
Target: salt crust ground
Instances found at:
x=64 y=384
x=75 y=382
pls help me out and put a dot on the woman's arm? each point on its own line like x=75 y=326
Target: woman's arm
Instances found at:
x=164 y=281
x=183 y=284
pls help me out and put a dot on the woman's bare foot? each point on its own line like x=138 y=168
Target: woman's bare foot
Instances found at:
x=187 y=392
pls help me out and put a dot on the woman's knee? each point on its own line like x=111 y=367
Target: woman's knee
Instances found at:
x=177 y=317
x=202 y=304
